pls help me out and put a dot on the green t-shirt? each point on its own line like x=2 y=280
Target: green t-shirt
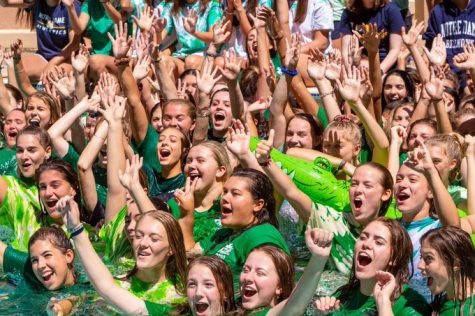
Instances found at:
x=259 y=312
x=166 y=187
x=187 y=43
x=451 y=308
x=409 y=303
x=206 y=223
x=148 y=149
x=234 y=248
x=100 y=24
x=159 y=293
x=155 y=309
x=8 y=164
x=117 y=246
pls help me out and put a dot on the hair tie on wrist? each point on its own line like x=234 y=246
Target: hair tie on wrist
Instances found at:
x=76 y=230
x=288 y=72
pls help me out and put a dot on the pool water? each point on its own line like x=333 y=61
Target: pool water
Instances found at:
x=20 y=300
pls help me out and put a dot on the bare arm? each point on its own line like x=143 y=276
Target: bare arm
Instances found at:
x=22 y=77
x=395 y=42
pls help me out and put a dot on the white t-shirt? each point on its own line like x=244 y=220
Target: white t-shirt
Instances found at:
x=319 y=17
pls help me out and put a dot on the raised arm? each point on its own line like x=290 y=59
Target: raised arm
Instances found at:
x=238 y=143
x=410 y=40
x=281 y=93
x=395 y=42
x=231 y=70
x=282 y=183
x=96 y=271
x=5 y=104
x=435 y=90
x=78 y=23
x=468 y=223
x=398 y=134
x=350 y=91
x=85 y=163
x=466 y=60
x=80 y=63
x=138 y=117
x=190 y=22
x=319 y=242
x=22 y=77
x=113 y=112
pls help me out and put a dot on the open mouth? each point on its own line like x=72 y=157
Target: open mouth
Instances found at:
x=402 y=196
x=164 y=153
x=142 y=254
x=35 y=122
x=201 y=307
x=364 y=259
x=47 y=277
x=358 y=203
x=219 y=117
x=12 y=134
x=225 y=210
x=194 y=175
x=51 y=204
x=248 y=293
x=26 y=165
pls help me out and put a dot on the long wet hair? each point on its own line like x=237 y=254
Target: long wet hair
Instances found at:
x=400 y=257
x=455 y=248
x=176 y=263
x=224 y=279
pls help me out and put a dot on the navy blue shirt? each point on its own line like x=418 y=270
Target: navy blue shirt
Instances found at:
x=456 y=27
x=388 y=18
x=52 y=27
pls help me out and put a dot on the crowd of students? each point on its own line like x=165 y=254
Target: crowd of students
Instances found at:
x=173 y=139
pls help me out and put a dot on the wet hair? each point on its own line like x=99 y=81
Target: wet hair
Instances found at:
x=398 y=264
x=16 y=93
x=462 y=113
x=186 y=103
x=68 y=174
x=454 y=246
x=408 y=83
x=57 y=237
x=424 y=121
x=386 y=181
x=220 y=155
x=225 y=89
x=185 y=143
x=316 y=126
x=176 y=263
x=155 y=108
x=356 y=6
x=284 y=266
x=452 y=149
x=42 y=134
x=50 y=102
x=188 y=72
x=260 y=188
x=248 y=82
x=223 y=276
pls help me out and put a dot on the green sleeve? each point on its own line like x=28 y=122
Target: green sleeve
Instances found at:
x=411 y=303
x=113 y=235
x=85 y=7
x=155 y=309
x=321 y=115
x=175 y=210
x=71 y=157
x=148 y=149
x=215 y=13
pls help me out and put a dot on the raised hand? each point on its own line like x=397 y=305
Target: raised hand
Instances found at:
x=232 y=66
x=316 y=65
x=130 y=176
x=17 y=48
x=81 y=60
x=398 y=135
x=327 y=304
x=2 y=55
x=319 y=241
x=8 y=58
x=69 y=211
x=120 y=44
x=107 y=86
x=185 y=198
x=466 y=60
x=470 y=142
x=159 y=23
x=435 y=86
x=220 y=35
x=68 y=3
x=410 y=38
x=113 y=109
x=354 y=51
x=438 y=54
x=333 y=68
x=54 y=308
x=264 y=148
x=366 y=89
x=146 y=20
x=142 y=44
x=350 y=89
x=91 y=103
x=260 y=105
x=258 y=20
x=238 y=139
x=370 y=37
x=293 y=52
x=420 y=158
x=142 y=67
x=64 y=83
x=189 y=22
x=208 y=78
x=385 y=285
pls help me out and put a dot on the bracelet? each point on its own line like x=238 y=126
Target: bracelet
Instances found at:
x=122 y=61
x=74 y=229
x=214 y=55
x=156 y=61
x=288 y=72
x=204 y=113
x=77 y=232
x=341 y=165
x=326 y=94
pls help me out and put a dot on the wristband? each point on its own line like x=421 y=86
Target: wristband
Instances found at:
x=75 y=229
x=77 y=232
x=341 y=165
x=214 y=55
x=326 y=94
x=288 y=72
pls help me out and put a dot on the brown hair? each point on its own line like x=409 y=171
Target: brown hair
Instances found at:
x=455 y=248
x=386 y=182
x=356 y=6
x=41 y=133
x=224 y=279
x=176 y=263
x=50 y=102
x=186 y=103
x=316 y=127
x=399 y=258
x=284 y=266
x=185 y=142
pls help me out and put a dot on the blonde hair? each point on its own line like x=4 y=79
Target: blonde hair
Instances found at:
x=352 y=131
x=453 y=149
x=219 y=154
